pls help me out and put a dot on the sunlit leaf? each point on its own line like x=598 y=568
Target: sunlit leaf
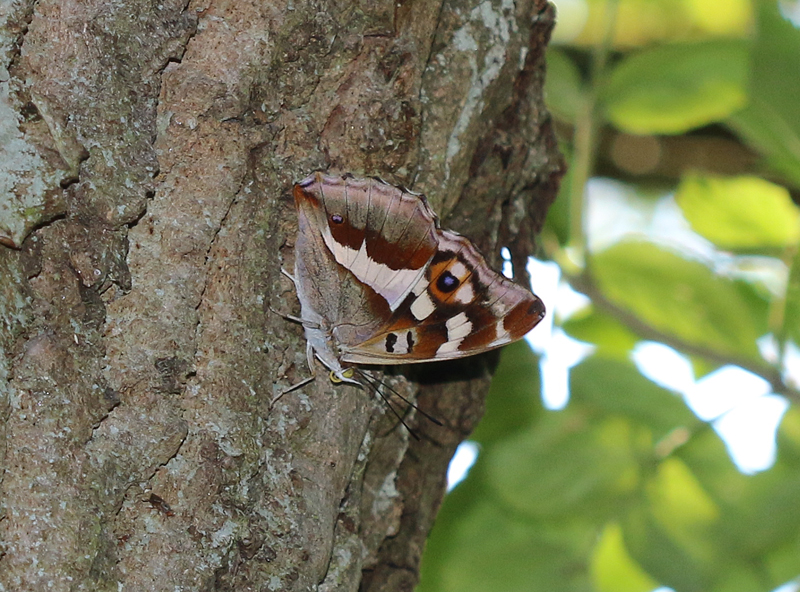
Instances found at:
x=739 y=212
x=674 y=88
x=682 y=298
x=642 y=22
x=724 y=17
x=614 y=570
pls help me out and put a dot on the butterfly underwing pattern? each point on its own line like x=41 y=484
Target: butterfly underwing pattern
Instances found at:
x=380 y=283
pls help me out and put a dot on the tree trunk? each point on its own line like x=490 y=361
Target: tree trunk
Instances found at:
x=148 y=155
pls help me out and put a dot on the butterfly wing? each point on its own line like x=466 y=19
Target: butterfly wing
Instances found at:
x=374 y=268
x=458 y=307
x=362 y=245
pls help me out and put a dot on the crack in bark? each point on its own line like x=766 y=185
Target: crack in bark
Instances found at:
x=421 y=91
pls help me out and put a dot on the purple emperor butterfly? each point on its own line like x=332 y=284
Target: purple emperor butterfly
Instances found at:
x=380 y=283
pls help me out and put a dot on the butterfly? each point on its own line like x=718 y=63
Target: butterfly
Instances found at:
x=380 y=283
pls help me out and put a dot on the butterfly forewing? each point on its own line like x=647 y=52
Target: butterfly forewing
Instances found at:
x=382 y=235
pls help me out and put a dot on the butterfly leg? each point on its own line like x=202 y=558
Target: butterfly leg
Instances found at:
x=288 y=317
x=294 y=319
x=310 y=357
x=290 y=276
x=294 y=387
x=305 y=381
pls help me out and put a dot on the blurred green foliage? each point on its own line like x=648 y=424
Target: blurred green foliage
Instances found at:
x=626 y=489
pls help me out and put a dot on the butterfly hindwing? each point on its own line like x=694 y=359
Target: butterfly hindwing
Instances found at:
x=460 y=307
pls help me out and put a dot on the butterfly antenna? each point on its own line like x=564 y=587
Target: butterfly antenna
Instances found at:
x=373 y=382
x=410 y=404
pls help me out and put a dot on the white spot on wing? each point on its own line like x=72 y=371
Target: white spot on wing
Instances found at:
x=402 y=343
x=458 y=327
x=448 y=347
x=465 y=294
x=420 y=286
x=503 y=336
x=422 y=307
x=459 y=270
x=393 y=284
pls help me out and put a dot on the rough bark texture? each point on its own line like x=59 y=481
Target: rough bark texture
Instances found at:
x=147 y=154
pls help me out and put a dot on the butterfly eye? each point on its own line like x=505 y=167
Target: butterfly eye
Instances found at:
x=346 y=375
x=447 y=282
x=337 y=218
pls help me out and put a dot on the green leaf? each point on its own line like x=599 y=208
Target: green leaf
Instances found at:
x=702 y=366
x=671 y=89
x=653 y=549
x=563 y=88
x=556 y=230
x=614 y=570
x=477 y=545
x=791 y=321
x=739 y=212
x=683 y=298
x=514 y=400
x=740 y=578
x=569 y=463
x=683 y=509
x=616 y=388
x=771 y=120
x=612 y=338
x=759 y=518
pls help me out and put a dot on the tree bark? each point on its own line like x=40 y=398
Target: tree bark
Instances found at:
x=148 y=154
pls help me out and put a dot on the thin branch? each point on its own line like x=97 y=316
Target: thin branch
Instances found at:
x=772 y=375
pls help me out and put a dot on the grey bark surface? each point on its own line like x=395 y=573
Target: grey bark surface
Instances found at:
x=147 y=156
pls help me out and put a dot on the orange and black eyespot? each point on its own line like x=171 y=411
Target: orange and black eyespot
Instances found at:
x=447 y=282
